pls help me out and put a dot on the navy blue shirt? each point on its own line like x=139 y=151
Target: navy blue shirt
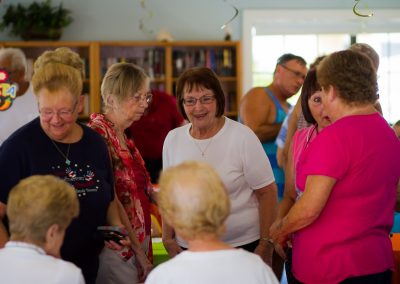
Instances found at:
x=29 y=151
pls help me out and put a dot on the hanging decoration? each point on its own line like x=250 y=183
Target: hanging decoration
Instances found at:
x=358 y=13
x=148 y=15
x=234 y=16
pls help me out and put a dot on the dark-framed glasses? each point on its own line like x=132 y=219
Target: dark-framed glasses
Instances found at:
x=66 y=114
x=294 y=72
x=148 y=98
x=204 y=100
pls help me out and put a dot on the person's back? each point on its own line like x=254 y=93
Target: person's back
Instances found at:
x=213 y=267
x=194 y=201
x=40 y=208
x=23 y=264
x=23 y=108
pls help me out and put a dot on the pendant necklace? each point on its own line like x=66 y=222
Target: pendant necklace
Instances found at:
x=198 y=146
x=67 y=161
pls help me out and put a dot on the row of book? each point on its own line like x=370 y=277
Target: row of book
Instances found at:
x=221 y=60
x=152 y=61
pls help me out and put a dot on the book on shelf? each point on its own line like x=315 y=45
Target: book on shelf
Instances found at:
x=220 y=60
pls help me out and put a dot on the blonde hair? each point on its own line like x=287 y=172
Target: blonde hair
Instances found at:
x=38 y=202
x=58 y=69
x=193 y=200
x=121 y=81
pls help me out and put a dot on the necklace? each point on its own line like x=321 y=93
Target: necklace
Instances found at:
x=198 y=146
x=67 y=161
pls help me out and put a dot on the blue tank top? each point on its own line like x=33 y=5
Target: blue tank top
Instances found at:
x=270 y=147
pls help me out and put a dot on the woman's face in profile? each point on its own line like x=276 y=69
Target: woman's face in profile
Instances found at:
x=132 y=108
x=317 y=111
x=58 y=112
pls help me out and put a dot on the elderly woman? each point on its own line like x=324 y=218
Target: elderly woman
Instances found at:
x=235 y=153
x=194 y=202
x=55 y=143
x=39 y=209
x=126 y=95
x=348 y=177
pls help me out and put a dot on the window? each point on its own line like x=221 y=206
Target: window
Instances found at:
x=311 y=33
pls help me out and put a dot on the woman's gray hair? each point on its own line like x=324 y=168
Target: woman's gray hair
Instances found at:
x=122 y=80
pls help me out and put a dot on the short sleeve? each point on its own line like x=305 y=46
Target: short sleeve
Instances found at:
x=256 y=166
x=326 y=155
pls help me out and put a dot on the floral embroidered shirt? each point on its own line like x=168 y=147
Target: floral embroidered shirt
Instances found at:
x=132 y=182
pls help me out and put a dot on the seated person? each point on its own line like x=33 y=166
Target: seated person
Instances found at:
x=193 y=200
x=39 y=208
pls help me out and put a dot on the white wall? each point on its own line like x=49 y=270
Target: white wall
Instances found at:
x=184 y=19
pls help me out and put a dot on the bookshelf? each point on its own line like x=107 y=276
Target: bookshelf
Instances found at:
x=163 y=61
x=33 y=49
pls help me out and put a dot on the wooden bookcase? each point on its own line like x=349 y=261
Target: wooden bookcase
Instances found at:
x=162 y=61
x=33 y=49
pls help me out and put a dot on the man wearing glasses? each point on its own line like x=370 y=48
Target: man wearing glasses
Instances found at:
x=263 y=109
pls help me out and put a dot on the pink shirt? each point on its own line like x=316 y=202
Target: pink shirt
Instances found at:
x=301 y=140
x=351 y=235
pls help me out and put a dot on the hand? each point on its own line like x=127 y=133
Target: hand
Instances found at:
x=172 y=247
x=275 y=233
x=265 y=250
x=143 y=265
x=280 y=250
x=115 y=246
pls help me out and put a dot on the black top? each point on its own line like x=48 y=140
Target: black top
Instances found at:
x=29 y=151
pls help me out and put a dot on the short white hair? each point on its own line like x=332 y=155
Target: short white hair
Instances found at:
x=17 y=57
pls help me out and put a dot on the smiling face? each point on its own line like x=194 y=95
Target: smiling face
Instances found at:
x=58 y=113
x=201 y=115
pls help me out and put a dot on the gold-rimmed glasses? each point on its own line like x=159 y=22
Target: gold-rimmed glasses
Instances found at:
x=63 y=113
x=147 y=97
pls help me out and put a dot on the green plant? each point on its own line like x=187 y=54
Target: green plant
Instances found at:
x=35 y=17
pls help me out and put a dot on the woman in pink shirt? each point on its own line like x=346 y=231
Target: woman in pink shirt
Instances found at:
x=311 y=105
x=349 y=175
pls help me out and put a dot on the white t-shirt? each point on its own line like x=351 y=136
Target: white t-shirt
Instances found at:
x=23 y=109
x=222 y=266
x=22 y=263
x=236 y=154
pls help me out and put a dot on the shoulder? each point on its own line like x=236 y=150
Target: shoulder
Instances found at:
x=243 y=130
x=25 y=133
x=70 y=272
x=93 y=137
x=159 y=274
x=179 y=131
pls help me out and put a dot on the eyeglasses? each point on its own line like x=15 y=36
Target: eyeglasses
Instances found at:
x=294 y=72
x=64 y=114
x=204 y=100
x=148 y=97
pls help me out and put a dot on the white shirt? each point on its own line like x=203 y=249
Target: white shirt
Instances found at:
x=233 y=266
x=236 y=154
x=23 y=263
x=23 y=109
